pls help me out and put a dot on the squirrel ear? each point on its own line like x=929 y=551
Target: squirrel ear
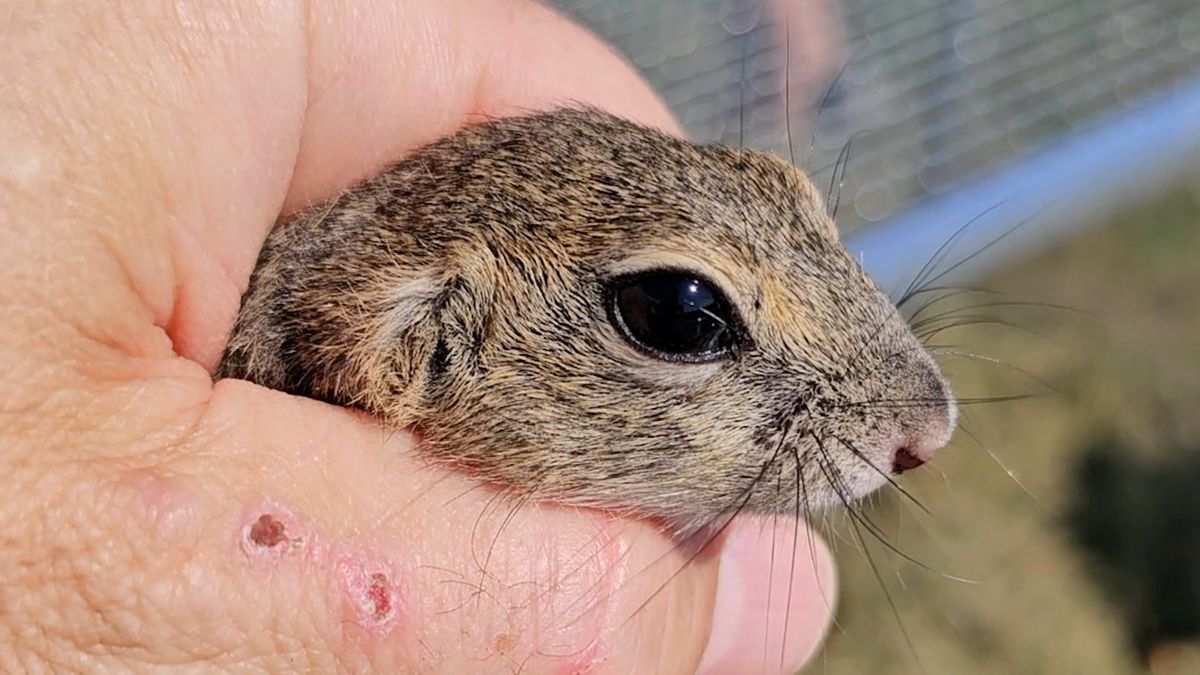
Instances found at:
x=394 y=354
x=465 y=310
x=432 y=330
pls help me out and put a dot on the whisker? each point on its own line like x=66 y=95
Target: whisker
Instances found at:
x=787 y=612
x=838 y=175
x=858 y=453
x=1001 y=237
x=739 y=504
x=812 y=145
x=745 y=40
x=771 y=572
x=993 y=361
x=1008 y=303
x=963 y=322
x=586 y=593
x=949 y=292
x=508 y=518
x=877 y=532
x=948 y=295
x=787 y=82
x=919 y=280
x=898 y=404
x=862 y=542
x=487 y=506
x=1003 y=467
x=802 y=491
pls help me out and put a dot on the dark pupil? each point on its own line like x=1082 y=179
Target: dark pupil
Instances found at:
x=675 y=314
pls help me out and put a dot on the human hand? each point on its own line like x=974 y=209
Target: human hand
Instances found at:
x=152 y=520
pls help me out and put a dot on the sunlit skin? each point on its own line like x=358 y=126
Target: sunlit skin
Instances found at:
x=153 y=520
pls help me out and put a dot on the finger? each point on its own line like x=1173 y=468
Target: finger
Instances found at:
x=774 y=602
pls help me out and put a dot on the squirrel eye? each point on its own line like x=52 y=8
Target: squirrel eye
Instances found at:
x=673 y=315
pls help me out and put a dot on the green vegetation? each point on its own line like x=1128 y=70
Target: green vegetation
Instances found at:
x=1087 y=558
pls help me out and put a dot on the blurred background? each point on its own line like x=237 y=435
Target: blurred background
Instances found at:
x=1034 y=167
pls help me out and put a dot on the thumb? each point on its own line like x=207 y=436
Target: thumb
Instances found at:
x=775 y=594
x=330 y=535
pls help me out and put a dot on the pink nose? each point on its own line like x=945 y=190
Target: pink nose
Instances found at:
x=915 y=452
x=924 y=439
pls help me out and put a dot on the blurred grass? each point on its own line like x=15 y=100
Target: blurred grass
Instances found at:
x=1127 y=364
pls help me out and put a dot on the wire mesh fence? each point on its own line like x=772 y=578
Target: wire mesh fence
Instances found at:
x=932 y=93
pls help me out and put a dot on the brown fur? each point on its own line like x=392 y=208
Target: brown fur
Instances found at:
x=462 y=292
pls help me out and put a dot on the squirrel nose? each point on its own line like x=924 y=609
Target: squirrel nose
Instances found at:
x=921 y=448
x=905 y=459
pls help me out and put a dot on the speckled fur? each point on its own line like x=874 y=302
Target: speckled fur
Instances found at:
x=462 y=292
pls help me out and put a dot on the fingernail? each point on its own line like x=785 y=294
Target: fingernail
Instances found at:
x=776 y=589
